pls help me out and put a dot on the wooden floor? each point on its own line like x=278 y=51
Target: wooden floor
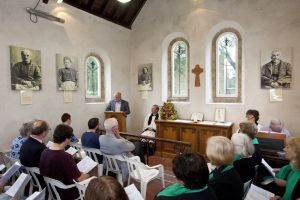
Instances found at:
x=155 y=186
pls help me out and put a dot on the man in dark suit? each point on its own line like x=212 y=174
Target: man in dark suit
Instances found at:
x=118 y=104
x=33 y=147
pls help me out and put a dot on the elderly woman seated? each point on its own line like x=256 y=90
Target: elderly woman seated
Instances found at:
x=243 y=162
x=17 y=143
x=250 y=129
x=192 y=171
x=276 y=126
x=224 y=179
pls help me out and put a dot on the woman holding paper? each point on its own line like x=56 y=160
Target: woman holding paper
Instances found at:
x=57 y=164
x=289 y=175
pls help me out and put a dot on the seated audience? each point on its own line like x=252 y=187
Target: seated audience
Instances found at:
x=224 y=179
x=192 y=172
x=90 y=138
x=57 y=164
x=243 y=162
x=33 y=147
x=289 y=175
x=25 y=131
x=66 y=119
x=276 y=126
x=250 y=129
x=113 y=144
x=253 y=117
x=105 y=188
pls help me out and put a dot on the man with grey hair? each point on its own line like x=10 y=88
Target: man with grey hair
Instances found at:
x=276 y=73
x=118 y=104
x=25 y=74
x=67 y=76
x=113 y=144
x=276 y=126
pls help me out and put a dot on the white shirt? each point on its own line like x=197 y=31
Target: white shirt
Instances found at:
x=118 y=106
x=152 y=126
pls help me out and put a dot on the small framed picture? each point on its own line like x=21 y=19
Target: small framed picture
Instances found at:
x=220 y=115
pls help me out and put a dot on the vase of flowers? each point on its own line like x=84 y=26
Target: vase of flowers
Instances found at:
x=168 y=111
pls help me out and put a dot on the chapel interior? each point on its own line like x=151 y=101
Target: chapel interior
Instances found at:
x=127 y=35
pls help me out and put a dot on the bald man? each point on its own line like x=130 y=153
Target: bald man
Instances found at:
x=33 y=147
x=118 y=104
x=25 y=74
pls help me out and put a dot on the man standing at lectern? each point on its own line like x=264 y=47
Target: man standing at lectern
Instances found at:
x=118 y=104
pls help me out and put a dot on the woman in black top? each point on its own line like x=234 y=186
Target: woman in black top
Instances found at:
x=224 y=180
x=192 y=170
x=243 y=162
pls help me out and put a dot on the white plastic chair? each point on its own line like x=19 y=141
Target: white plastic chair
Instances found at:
x=144 y=174
x=81 y=186
x=34 y=182
x=111 y=164
x=52 y=184
x=92 y=153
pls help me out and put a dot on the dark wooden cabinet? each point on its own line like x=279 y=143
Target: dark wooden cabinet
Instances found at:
x=188 y=131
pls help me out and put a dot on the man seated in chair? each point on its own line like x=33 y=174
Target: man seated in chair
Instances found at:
x=57 y=164
x=276 y=126
x=113 y=144
x=90 y=138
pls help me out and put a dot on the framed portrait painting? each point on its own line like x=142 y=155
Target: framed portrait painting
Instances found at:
x=25 y=68
x=145 y=77
x=67 y=72
x=276 y=68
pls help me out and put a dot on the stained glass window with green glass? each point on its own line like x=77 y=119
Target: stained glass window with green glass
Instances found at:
x=93 y=82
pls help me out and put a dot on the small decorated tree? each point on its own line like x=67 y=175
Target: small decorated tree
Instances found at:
x=168 y=111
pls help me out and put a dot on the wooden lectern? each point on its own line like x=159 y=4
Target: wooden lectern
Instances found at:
x=120 y=116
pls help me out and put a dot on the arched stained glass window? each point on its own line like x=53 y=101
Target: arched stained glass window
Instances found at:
x=226 y=67
x=178 y=70
x=227 y=71
x=94 y=79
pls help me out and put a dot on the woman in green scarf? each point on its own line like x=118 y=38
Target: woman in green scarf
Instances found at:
x=289 y=175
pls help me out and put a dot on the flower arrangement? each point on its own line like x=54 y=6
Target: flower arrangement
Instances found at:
x=168 y=111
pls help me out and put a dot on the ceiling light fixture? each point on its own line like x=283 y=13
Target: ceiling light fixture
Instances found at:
x=124 y=1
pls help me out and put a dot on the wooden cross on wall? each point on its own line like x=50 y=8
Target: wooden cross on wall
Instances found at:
x=197 y=71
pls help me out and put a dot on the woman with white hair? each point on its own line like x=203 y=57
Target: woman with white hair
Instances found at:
x=224 y=179
x=250 y=129
x=243 y=162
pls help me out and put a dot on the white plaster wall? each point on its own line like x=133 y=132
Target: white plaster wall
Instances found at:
x=263 y=24
x=80 y=35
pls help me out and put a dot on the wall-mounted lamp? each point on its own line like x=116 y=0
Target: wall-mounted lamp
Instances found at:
x=43 y=14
